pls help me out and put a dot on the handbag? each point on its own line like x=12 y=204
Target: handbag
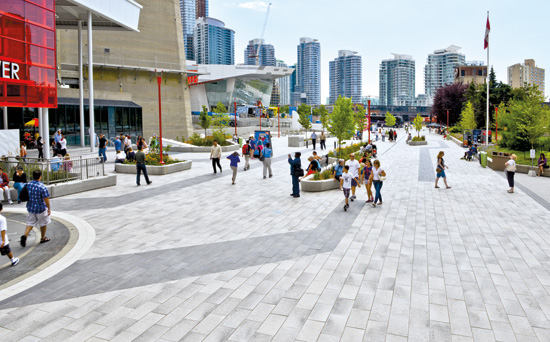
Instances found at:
x=262 y=157
x=438 y=170
x=382 y=178
x=299 y=172
x=24 y=194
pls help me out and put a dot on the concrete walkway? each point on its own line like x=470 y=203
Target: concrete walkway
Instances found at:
x=192 y=258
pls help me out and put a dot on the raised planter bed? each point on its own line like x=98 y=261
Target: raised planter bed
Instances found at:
x=417 y=143
x=295 y=141
x=154 y=169
x=310 y=185
x=188 y=148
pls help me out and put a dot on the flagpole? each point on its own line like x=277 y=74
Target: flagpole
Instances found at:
x=488 y=81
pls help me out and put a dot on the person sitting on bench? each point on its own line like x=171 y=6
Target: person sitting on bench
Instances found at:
x=542 y=164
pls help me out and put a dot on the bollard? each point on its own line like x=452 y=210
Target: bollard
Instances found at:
x=335 y=145
x=307 y=145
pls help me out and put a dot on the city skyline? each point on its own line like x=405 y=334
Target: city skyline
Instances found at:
x=418 y=35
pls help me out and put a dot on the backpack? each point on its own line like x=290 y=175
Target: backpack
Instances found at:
x=246 y=149
x=24 y=194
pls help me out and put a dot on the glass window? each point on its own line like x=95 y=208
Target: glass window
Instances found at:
x=61 y=120
x=118 y=119
x=125 y=122
x=71 y=118
x=104 y=115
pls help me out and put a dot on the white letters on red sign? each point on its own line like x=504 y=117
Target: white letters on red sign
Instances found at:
x=10 y=70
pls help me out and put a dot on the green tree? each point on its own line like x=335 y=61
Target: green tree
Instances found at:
x=284 y=109
x=341 y=122
x=417 y=123
x=204 y=119
x=219 y=121
x=322 y=111
x=467 y=117
x=390 y=119
x=304 y=111
x=360 y=119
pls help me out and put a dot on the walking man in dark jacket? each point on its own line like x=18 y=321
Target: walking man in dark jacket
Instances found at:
x=295 y=165
x=140 y=166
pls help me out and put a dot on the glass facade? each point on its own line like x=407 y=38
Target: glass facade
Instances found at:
x=346 y=77
x=397 y=78
x=213 y=43
x=28 y=54
x=250 y=91
x=308 y=70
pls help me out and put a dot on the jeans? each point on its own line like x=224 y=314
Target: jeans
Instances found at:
x=216 y=161
x=510 y=176
x=267 y=165
x=40 y=153
x=234 y=168
x=295 y=186
x=378 y=187
x=313 y=141
x=102 y=154
x=141 y=167
x=19 y=187
x=323 y=144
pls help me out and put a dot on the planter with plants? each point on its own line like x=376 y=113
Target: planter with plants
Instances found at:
x=320 y=181
x=418 y=141
x=154 y=167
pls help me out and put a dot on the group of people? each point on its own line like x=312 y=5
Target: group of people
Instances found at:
x=322 y=140
x=392 y=135
x=471 y=153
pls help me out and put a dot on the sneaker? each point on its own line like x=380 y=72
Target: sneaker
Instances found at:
x=18 y=202
x=23 y=241
x=264 y=177
x=10 y=201
x=150 y=182
x=353 y=196
x=345 y=208
x=15 y=262
x=374 y=204
x=270 y=176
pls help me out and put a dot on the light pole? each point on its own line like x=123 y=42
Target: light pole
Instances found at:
x=368 y=106
x=159 y=80
x=447 y=123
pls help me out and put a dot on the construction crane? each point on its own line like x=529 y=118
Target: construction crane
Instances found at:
x=256 y=54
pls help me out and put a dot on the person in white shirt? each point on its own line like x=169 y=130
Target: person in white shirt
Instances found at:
x=120 y=157
x=4 y=242
x=63 y=143
x=215 y=155
x=345 y=184
x=510 y=172
x=374 y=178
x=354 y=170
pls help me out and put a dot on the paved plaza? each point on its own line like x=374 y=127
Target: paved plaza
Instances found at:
x=193 y=258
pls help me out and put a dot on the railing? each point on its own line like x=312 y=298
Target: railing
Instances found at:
x=55 y=170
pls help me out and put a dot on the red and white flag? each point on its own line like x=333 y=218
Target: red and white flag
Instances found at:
x=487 y=30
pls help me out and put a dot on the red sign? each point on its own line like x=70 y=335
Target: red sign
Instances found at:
x=28 y=54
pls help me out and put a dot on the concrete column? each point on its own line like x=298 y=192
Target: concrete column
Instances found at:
x=5 y=117
x=41 y=124
x=91 y=82
x=46 y=117
x=81 y=85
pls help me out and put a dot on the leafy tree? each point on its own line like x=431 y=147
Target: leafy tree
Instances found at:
x=467 y=117
x=284 y=109
x=390 y=119
x=219 y=120
x=525 y=121
x=322 y=111
x=204 y=119
x=450 y=97
x=341 y=123
x=417 y=123
x=304 y=111
x=360 y=119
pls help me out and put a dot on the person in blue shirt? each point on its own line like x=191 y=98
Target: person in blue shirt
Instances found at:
x=252 y=143
x=118 y=144
x=338 y=169
x=295 y=166
x=267 y=153
x=234 y=160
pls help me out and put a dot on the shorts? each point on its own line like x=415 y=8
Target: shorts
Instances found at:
x=5 y=250
x=38 y=220
x=337 y=177
x=353 y=182
x=441 y=174
x=346 y=192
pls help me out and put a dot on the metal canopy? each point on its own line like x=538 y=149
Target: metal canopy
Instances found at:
x=106 y=14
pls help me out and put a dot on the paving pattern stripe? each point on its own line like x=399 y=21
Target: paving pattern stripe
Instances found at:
x=98 y=275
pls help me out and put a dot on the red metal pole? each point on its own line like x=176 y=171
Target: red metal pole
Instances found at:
x=368 y=106
x=235 y=105
x=447 y=122
x=159 y=80
x=496 y=125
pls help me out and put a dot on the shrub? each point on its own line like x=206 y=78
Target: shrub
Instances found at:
x=423 y=138
x=196 y=140
x=455 y=130
x=344 y=152
x=326 y=174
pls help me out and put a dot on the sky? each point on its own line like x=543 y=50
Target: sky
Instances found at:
x=378 y=28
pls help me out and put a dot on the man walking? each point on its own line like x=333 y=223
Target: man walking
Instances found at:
x=215 y=155
x=313 y=139
x=267 y=153
x=354 y=171
x=103 y=142
x=247 y=152
x=323 y=140
x=234 y=160
x=140 y=166
x=38 y=208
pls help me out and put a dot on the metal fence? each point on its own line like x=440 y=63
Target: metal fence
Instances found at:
x=55 y=170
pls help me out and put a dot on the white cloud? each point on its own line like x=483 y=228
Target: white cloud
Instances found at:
x=254 y=5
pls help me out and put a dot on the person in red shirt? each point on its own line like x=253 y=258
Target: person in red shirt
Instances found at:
x=4 y=185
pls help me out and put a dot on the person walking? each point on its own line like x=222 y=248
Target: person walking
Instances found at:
x=441 y=169
x=38 y=208
x=40 y=146
x=4 y=185
x=345 y=184
x=234 y=161
x=4 y=241
x=313 y=139
x=296 y=172
x=103 y=142
x=127 y=143
x=247 y=152
x=19 y=181
x=377 y=177
x=354 y=170
x=510 y=169
x=367 y=170
x=140 y=166
x=215 y=155
x=267 y=153
x=323 y=140
x=63 y=146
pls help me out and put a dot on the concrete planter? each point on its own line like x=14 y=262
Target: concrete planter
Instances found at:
x=188 y=148
x=417 y=143
x=73 y=187
x=309 y=185
x=295 y=141
x=155 y=170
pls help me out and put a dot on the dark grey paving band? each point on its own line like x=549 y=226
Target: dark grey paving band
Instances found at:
x=98 y=275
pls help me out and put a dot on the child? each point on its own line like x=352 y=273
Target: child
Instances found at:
x=5 y=244
x=234 y=160
x=345 y=182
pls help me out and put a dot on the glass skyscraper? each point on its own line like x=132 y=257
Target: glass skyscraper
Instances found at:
x=284 y=85
x=201 y=8
x=308 y=72
x=266 y=55
x=345 y=76
x=213 y=43
x=190 y=11
x=440 y=68
x=397 y=80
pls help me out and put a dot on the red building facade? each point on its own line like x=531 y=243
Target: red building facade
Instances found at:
x=28 y=54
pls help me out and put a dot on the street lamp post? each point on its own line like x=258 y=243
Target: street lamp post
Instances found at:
x=368 y=106
x=496 y=125
x=447 y=123
x=159 y=80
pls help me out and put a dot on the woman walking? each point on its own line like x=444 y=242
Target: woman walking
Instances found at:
x=23 y=151
x=510 y=172
x=234 y=161
x=367 y=170
x=377 y=177
x=441 y=169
